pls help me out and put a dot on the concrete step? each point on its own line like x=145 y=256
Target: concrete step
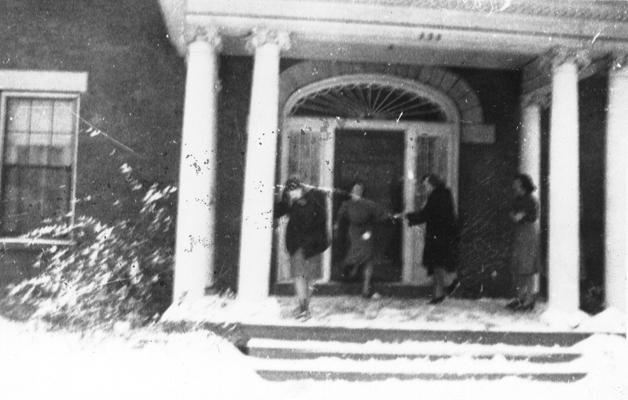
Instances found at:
x=311 y=349
x=287 y=360
x=283 y=376
x=457 y=368
x=363 y=335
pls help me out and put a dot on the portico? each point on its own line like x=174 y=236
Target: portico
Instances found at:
x=417 y=42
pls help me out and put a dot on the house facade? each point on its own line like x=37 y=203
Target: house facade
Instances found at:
x=227 y=99
x=389 y=90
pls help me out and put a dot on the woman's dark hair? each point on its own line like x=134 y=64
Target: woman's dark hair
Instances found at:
x=293 y=183
x=526 y=183
x=358 y=182
x=433 y=180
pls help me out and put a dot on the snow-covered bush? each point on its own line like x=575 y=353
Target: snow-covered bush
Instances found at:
x=114 y=272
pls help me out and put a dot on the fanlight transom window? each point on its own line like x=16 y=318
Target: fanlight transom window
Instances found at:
x=368 y=101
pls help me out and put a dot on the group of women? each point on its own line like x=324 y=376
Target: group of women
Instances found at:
x=306 y=237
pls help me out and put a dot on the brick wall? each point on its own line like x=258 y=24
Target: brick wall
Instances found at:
x=135 y=89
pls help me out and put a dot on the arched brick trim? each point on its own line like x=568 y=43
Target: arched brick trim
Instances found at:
x=449 y=83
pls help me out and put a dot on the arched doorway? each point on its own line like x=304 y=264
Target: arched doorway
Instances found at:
x=383 y=129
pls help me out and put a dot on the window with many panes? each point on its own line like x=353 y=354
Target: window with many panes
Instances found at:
x=38 y=149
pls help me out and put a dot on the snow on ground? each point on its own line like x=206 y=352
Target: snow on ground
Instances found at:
x=144 y=364
x=150 y=364
x=386 y=313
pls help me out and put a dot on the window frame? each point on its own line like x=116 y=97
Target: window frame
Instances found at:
x=49 y=85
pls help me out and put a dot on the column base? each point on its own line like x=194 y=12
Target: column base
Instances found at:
x=611 y=320
x=564 y=320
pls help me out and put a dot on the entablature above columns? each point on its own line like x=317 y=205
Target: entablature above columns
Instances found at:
x=486 y=34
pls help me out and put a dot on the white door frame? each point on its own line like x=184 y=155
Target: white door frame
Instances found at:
x=413 y=237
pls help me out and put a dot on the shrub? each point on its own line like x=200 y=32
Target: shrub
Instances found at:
x=120 y=271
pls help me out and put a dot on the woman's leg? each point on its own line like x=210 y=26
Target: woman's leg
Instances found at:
x=527 y=296
x=524 y=287
x=301 y=289
x=368 y=275
x=439 y=282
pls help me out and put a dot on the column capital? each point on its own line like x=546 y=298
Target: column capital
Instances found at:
x=559 y=55
x=262 y=36
x=540 y=97
x=204 y=33
x=618 y=61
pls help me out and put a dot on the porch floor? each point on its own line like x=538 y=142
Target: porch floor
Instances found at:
x=392 y=313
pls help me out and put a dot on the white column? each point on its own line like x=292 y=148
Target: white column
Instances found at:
x=194 y=252
x=530 y=141
x=564 y=189
x=616 y=154
x=530 y=148
x=259 y=177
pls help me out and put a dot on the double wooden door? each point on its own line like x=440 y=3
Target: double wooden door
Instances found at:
x=390 y=157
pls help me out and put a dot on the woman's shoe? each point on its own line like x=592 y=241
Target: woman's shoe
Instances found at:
x=451 y=289
x=525 y=307
x=303 y=315
x=514 y=305
x=436 y=300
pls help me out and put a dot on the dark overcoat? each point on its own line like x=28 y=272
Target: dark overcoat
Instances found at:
x=525 y=246
x=307 y=224
x=441 y=236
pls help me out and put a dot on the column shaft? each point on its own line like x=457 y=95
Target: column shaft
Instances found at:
x=530 y=142
x=530 y=154
x=261 y=154
x=564 y=191
x=197 y=175
x=616 y=185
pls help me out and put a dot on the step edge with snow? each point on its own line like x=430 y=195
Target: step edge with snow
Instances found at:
x=460 y=365
x=297 y=355
x=282 y=376
x=361 y=335
x=404 y=348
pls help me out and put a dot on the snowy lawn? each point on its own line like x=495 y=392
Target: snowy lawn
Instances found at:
x=140 y=364
x=150 y=364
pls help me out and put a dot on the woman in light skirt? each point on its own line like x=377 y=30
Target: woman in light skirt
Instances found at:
x=524 y=261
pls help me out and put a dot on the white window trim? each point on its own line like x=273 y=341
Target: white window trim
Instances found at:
x=43 y=81
x=48 y=84
x=21 y=243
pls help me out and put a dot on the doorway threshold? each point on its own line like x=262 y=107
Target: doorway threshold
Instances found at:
x=386 y=289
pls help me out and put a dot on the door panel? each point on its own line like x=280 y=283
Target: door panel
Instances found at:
x=307 y=149
x=429 y=154
x=376 y=158
x=309 y=155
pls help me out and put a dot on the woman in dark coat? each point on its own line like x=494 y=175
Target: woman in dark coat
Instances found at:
x=525 y=246
x=306 y=237
x=439 y=255
x=361 y=216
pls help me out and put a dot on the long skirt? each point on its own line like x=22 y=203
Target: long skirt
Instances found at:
x=525 y=250
x=308 y=268
x=524 y=287
x=361 y=247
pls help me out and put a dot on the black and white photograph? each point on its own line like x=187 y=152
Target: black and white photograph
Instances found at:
x=313 y=199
